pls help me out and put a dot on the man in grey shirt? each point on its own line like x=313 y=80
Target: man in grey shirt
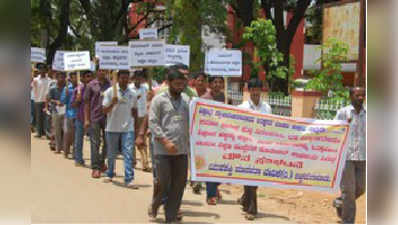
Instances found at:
x=169 y=124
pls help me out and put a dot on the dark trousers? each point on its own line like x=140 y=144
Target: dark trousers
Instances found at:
x=249 y=200
x=97 y=136
x=32 y=113
x=39 y=106
x=172 y=172
x=211 y=189
x=352 y=186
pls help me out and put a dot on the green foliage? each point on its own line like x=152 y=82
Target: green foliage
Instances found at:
x=263 y=35
x=329 y=78
x=159 y=74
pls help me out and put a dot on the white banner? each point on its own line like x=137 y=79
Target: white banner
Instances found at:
x=146 y=53
x=224 y=63
x=98 y=44
x=77 y=61
x=58 y=62
x=149 y=33
x=177 y=54
x=38 y=55
x=114 y=57
x=234 y=145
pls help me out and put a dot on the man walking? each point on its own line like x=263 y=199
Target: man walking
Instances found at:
x=169 y=124
x=141 y=91
x=94 y=119
x=249 y=197
x=70 y=114
x=77 y=102
x=40 y=89
x=57 y=110
x=121 y=111
x=354 y=174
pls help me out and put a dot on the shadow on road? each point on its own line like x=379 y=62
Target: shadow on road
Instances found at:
x=120 y=184
x=193 y=203
x=200 y=214
x=266 y=215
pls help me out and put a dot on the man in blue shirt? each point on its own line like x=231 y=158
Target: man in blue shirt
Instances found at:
x=70 y=114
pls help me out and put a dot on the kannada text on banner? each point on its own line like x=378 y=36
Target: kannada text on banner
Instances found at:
x=233 y=145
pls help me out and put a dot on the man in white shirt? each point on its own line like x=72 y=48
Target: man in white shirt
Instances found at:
x=121 y=112
x=40 y=87
x=353 y=181
x=141 y=90
x=249 y=197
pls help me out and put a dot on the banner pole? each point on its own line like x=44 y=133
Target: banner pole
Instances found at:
x=226 y=89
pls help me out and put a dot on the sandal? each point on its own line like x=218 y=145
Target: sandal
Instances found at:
x=212 y=201
x=250 y=216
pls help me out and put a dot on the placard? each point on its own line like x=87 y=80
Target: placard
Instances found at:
x=77 y=61
x=177 y=54
x=234 y=145
x=146 y=53
x=114 y=58
x=103 y=43
x=224 y=63
x=38 y=55
x=58 y=62
x=148 y=33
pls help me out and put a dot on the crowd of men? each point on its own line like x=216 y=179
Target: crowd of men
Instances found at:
x=128 y=115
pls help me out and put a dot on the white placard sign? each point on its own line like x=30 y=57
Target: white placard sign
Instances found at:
x=58 y=62
x=224 y=63
x=92 y=66
x=149 y=33
x=77 y=61
x=98 y=44
x=37 y=55
x=146 y=53
x=114 y=58
x=177 y=54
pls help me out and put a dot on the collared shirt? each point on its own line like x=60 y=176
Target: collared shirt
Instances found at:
x=220 y=97
x=66 y=99
x=262 y=107
x=169 y=118
x=141 y=96
x=41 y=86
x=55 y=94
x=188 y=90
x=357 y=141
x=120 y=118
x=80 y=110
x=94 y=96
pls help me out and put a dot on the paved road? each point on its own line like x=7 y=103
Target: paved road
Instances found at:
x=63 y=193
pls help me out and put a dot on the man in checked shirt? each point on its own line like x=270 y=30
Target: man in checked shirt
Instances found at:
x=354 y=174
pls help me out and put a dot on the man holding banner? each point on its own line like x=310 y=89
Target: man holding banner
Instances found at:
x=249 y=197
x=354 y=175
x=215 y=93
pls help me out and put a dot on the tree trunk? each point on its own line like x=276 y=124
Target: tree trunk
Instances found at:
x=62 y=32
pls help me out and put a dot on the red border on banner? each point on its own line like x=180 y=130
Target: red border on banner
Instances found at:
x=271 y=116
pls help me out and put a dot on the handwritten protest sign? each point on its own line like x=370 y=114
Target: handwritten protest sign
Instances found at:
x=149 y=33
x=146 y=53
x=233 y=145
x=114 y=58
x=177 y=54
x=58 y=62
x=223 y=63
x=98 y=45
x=77 y=61
x=38 y=55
